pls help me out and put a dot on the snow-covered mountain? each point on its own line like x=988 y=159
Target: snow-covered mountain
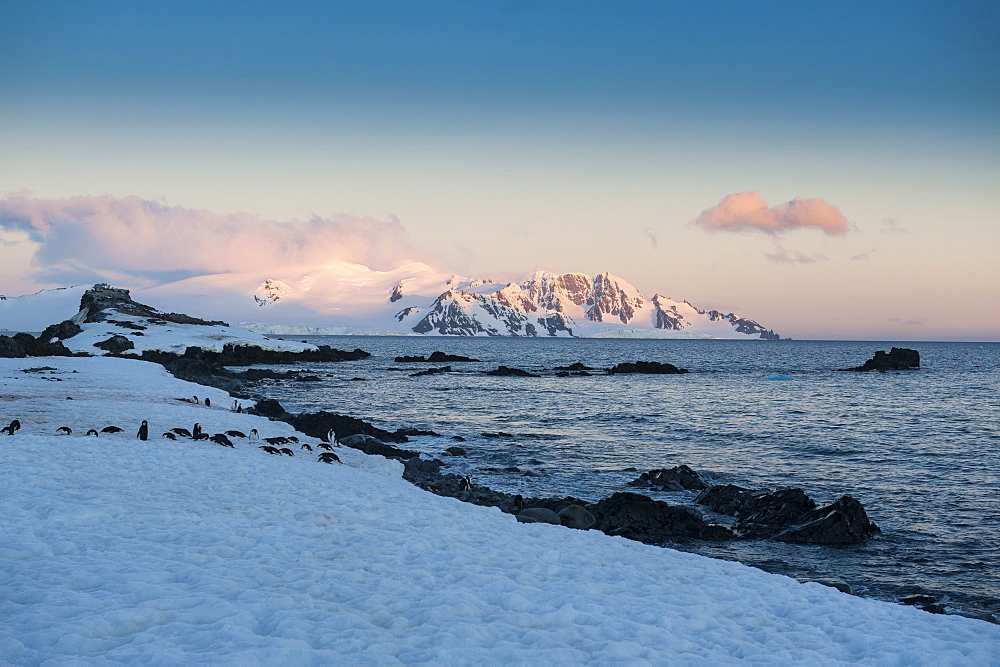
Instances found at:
x=346 y=298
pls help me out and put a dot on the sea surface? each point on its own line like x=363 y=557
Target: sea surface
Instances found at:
x=920 y=449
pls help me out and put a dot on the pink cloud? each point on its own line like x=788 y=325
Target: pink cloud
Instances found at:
x=104 y=237
x=743 y=211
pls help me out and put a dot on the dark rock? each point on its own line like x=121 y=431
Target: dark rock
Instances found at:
x=843 y=521
x=458 y=438
x=673 y=479
x=269 y=408
x=562 y=374
x=573 y=367
x=435 y=358
x=62 y=330
x=576 y=516
x=540 y=515
x=371 y=445
x=116 y=344
x=408 y=431
x=431 y=371
x=897 y=359
x=498 y=434
x=767 y=513
x=725 y=498
x=318 y=424
x=503 y=371
x=22 y=345
x=456 y=451
x=641 y=518
x=415 y=464
x=918 y=599
x=650 y=367
x=247 y=355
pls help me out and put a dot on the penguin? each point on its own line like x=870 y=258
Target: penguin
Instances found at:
x=292 y=438
x=331 y=436
x=239 y=408
x=236 y=434
x=465 y=484
x=169 y=436
x=11 y=428
x=305 y=447
x=276 y=441
x=328 y=457
x=286 y=452
x=221 y=439
x=92 y=432
x=111 y=429
x=202 y=436
x=196 y=431
x=254 y=435
x=208 y=402
x=194 y=399
x=143 y=433
x=64 y=430
x=269 y=449
x=183 y=432
x=325 y=446
x=233 y=409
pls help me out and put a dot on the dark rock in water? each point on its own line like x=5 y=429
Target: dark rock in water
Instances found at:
x=116 y=344
x=458 y=438
x=540 y=515
x=641 y=518
x=671 y=479
x=431 y=371
x=843 y=521
x=573 y=367
x=498 y=434
x=456 y=451
x=650 y=367
x=768 y=513
x=503 y=371
x=435 y=358
x=918 y=599
x=414 y=464
x=562 y=374
x=575 y=516
x=726 y=499
x=371 y=445
x=415 y=431
x=897 y=359
x=318 y=424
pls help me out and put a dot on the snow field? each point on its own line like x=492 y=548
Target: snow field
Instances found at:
x=114 y=549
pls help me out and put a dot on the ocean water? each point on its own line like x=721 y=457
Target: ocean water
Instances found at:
x=920 y=449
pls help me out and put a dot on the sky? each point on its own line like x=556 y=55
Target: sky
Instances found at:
x=832 y=171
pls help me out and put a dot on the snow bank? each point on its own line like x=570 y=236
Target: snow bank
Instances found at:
x=34 y=312
x=122 y=550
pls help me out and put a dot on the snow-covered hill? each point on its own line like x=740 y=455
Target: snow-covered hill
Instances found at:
x=346 y=298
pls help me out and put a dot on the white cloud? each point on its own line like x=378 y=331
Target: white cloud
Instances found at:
x=742 y=211
x=110 y=238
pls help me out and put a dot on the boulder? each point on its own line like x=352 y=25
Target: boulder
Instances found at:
x=573 y=367
x=641 y=518
x=726 y=499
x=431 y=371
x=575 y=516
x=897 y=359
x=649 y=367
x=116 y=344
x=540 y=515
x=456 y=451
x=841 y=586
x=503 y=371
x=269 y=408
x=767 y=513
x=318 y=424
x=671 y=479
x=371 y=445
x=434 y=358
x=843 y=521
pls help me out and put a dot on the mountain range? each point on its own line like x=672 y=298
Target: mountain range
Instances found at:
x=346 y=298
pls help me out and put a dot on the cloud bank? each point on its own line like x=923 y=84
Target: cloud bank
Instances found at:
x=131 y=239
x=743 y=211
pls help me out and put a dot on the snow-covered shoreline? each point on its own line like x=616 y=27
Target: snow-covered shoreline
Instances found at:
x=118 y=549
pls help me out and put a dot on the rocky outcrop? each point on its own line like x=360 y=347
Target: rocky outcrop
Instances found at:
x=22 y=345
x=318 y=424
x=897 y=359
x=651 y=367
x=435 y=358
x=641 y=518
x=116 y=344
x=246 y=355
x=503 y=371
x=431 y=371
x=373 y=446
x=677 y=478
x=789 y=515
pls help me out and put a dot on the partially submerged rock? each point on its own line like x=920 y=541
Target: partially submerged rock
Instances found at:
x=434 y=358
x=671 y=479
x=897 y=359
x=649 y=367
x=503 y=371
x=641 y=518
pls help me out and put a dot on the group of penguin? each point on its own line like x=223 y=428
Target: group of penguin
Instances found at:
x=222 y=439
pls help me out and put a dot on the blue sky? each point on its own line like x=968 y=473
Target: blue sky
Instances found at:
x=573 y=136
